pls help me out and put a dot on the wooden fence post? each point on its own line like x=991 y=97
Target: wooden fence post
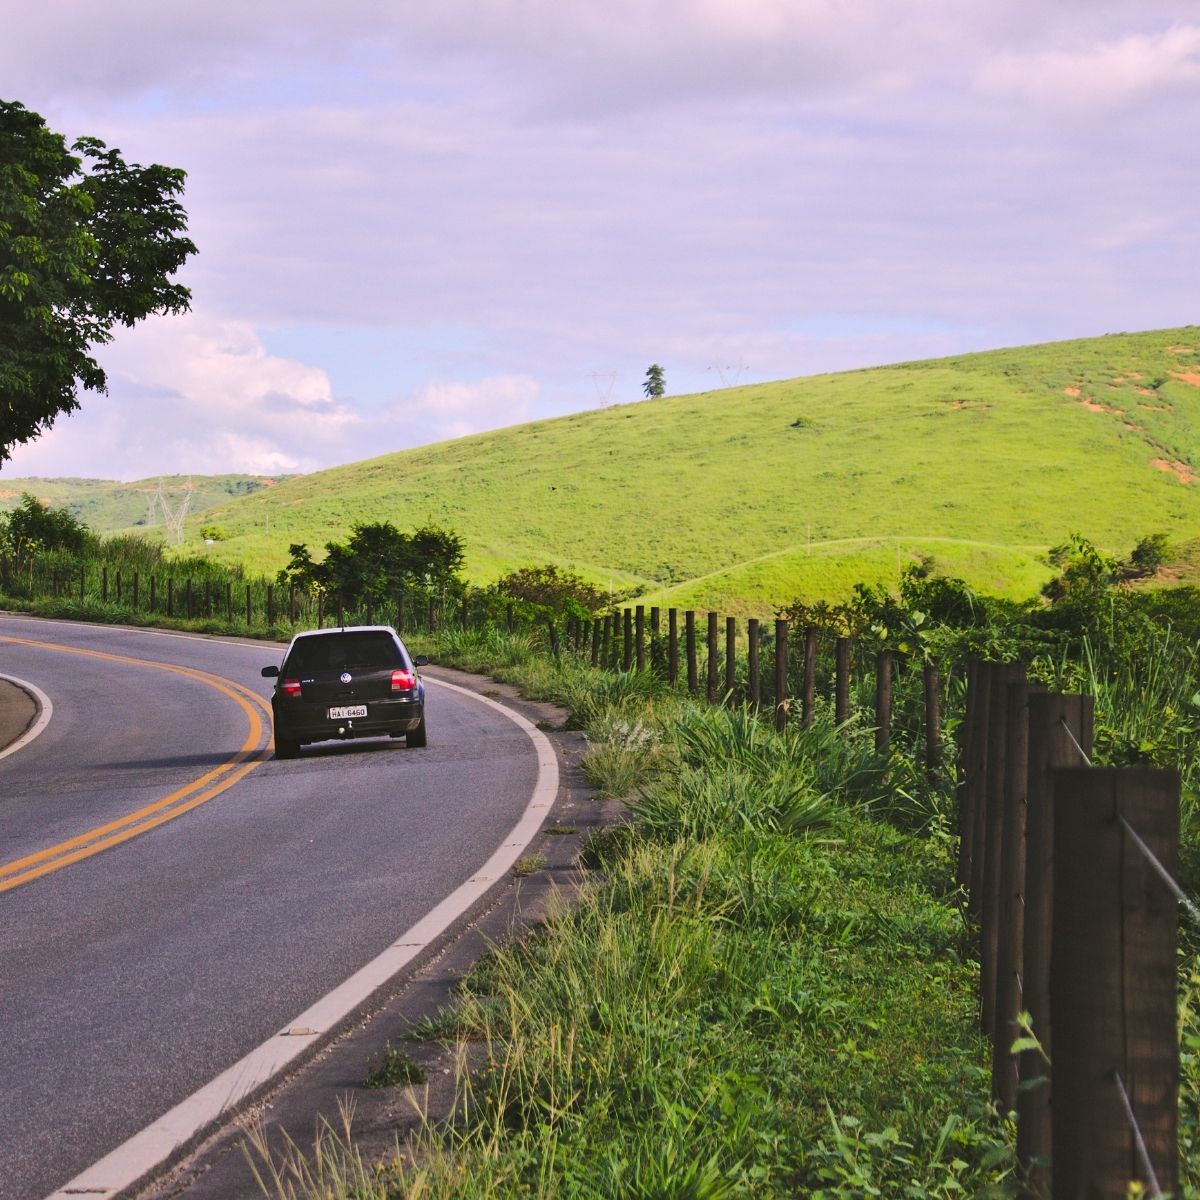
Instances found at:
x=672 y=646
x=689 y=621
x=712 y=675
x=1010 y=922
x=1113 y=980
x=966 y=812
x=993 y=838
x=627 y=640
x=655 y=649
x=977 y=776
x=606 y=641
x=103 y=585
x=553 y=636
x=841 y=692
x=596 y=627
x=782 y=701
x=933 y=718
x=731 y=660
x=1050 y=747
x=808 y=702
x=753 y=669
x=883 y=701
x=136 y=581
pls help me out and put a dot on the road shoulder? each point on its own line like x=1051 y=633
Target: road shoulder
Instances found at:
x=18 y=711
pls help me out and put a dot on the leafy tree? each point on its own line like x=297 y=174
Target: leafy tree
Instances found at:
x=1084 y=571
x=562 y=591
x=376 y=561
x=33 y=526
x=86 y=241
x=655 y=383
x=213 y=533
x=1148 y=556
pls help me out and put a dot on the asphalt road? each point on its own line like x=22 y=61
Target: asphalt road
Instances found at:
x=130 y=978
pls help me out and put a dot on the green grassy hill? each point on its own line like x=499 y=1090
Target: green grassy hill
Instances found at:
x=751 y=496
x=108 y=505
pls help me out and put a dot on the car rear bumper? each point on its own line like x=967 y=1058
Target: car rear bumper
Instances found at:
x=302 y=722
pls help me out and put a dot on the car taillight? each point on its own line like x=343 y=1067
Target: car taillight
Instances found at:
x=290 y=688
x=403 y=681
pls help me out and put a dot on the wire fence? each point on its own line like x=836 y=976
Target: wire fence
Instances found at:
x=1070 y=878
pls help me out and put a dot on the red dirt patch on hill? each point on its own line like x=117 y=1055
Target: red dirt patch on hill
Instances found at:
x=1192 y=377
x=1070 y=391
x=1092 y=406
x=1179 y=349
x=1181 y=471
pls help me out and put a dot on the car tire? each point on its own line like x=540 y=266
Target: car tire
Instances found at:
x=416 y=737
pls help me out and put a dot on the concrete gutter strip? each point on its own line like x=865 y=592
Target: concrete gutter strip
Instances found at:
x=153 y=1146
x=27 y=715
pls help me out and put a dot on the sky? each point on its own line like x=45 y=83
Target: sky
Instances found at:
x=417 y=221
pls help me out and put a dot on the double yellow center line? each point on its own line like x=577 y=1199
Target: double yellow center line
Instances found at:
x=211 y=783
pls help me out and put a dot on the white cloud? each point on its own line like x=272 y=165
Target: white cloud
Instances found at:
x=448 y=409
x=194 y=394
x=1100 y=77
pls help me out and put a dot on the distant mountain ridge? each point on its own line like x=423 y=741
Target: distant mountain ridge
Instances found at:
x=108 y=505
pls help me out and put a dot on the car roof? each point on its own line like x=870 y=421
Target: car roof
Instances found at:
x=340 y=630
x=334 y=630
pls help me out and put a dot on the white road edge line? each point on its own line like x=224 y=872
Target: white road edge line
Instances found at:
x=145 y=1151
x=45 y=712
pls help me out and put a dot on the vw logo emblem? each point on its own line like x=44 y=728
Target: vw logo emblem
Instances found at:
x=346 y=676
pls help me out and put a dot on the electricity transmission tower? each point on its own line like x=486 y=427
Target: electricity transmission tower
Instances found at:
x=173 y=515
x=729 y=373
x=604 y=382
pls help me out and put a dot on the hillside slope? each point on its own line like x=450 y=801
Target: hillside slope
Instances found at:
x=751 y=496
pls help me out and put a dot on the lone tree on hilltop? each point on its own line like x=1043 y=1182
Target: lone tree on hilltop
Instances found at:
x=656 y=382
x=86 y=241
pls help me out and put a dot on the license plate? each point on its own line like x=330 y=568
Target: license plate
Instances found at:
x=347 y=711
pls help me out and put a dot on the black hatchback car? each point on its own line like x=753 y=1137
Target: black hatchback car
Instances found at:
x=358 y=681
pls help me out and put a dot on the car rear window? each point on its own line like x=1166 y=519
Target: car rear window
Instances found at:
x=335 y=653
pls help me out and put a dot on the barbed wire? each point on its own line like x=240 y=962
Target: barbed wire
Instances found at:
x=1139 y=1141
x=1074 y=741
x=1189 y=905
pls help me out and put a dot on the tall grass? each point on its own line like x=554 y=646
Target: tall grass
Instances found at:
x=761 y=996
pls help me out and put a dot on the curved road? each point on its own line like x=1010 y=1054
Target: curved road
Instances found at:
x=132 y=976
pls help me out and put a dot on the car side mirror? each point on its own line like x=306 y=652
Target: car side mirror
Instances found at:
x=270 y=672
x=421 y=660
